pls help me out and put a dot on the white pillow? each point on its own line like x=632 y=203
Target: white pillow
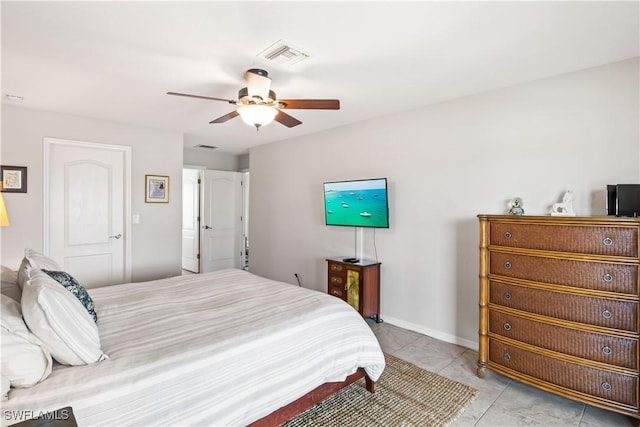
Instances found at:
x=9 y=283
x=60 y=320
x=34 y=260
x=25 y=361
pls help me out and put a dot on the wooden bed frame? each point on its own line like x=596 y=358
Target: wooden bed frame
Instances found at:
x=65 y=418
x=308 y=400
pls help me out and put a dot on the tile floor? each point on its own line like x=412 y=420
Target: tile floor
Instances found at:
x=501 y=401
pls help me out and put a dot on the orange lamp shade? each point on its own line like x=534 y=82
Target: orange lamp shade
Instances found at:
x=4 y=218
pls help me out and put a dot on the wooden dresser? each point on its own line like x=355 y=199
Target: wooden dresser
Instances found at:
x=559 y=305
x=356 y=283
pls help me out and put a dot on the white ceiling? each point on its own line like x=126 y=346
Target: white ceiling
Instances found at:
x=117 y=60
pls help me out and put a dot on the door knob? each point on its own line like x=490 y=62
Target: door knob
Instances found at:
x=117 y=236
x=206 y=227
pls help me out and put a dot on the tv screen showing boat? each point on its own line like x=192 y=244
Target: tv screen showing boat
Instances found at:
x=357 y=203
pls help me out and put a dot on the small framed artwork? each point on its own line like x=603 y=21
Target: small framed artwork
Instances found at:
x=156 y=189
x=14 y=179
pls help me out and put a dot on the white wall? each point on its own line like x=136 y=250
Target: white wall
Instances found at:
x=243 y=162
x=211 y=159
x=445 y=164
x=156 y=243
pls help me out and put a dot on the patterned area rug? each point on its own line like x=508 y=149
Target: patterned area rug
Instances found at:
x=406 y=395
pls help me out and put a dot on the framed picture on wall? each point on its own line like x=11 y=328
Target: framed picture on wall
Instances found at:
x=156 y=189
x=14 y=179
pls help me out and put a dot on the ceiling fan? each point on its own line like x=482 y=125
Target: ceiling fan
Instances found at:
x=258 y=105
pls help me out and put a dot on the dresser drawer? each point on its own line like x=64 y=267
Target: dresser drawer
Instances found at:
x=620 y=278
x=336 y=280
x=335 y=267
x=601 y=348
x=576 y=308
x=597 y=240
x=595 y=382
x=338 y=291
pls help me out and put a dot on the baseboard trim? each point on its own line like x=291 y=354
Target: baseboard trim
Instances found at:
x=473 y=345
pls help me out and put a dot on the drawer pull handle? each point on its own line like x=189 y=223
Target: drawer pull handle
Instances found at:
x=507 y=295
x=607 y=241
x=607 y=314
x=607 y=278
x=506 y=356
x=606 y=386
x=507 y=326
x=607 y=350
x=507 y=265
x=507 y=235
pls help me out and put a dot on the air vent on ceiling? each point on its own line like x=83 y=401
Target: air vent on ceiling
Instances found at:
x=283 y=53
x=210 y=147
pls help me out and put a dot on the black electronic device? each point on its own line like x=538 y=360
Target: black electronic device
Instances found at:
x=623 y=200
x=350 y=260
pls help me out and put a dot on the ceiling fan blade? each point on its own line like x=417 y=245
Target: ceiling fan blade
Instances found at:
x=287 y=120
x=226 y=117
x=309 y=104
x=230 y=101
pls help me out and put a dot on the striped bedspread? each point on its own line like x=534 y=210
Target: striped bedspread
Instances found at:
x=216 y=349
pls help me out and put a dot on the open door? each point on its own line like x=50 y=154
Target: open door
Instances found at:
x=191 y=220
x=245 y=219
x=222 y=241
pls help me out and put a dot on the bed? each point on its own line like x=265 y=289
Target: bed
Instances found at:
x=227 y=348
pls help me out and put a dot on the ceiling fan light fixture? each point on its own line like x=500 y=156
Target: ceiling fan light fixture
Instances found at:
x=258 y=83
x=257 y=105
x=244 y=98
x=257 y=115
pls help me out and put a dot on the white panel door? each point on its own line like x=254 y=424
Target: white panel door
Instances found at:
x=190 y=220
x=221 y=238
x=86 y=202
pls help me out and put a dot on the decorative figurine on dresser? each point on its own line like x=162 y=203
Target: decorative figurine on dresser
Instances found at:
x=516 y=206
x=564 y=208
x=558 y=306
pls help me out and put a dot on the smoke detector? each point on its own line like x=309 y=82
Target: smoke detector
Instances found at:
x=283 y=53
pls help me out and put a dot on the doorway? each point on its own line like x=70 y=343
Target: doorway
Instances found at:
x=213 y=233
x=191 y=219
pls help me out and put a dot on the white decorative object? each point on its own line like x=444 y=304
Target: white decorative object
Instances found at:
x=564 y=208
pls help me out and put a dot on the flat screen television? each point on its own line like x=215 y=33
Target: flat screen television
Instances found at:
x=357 y=203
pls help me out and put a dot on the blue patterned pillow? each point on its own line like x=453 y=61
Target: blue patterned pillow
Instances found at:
x=72 y=285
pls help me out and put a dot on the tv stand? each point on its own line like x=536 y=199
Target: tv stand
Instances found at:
x=358 y=283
